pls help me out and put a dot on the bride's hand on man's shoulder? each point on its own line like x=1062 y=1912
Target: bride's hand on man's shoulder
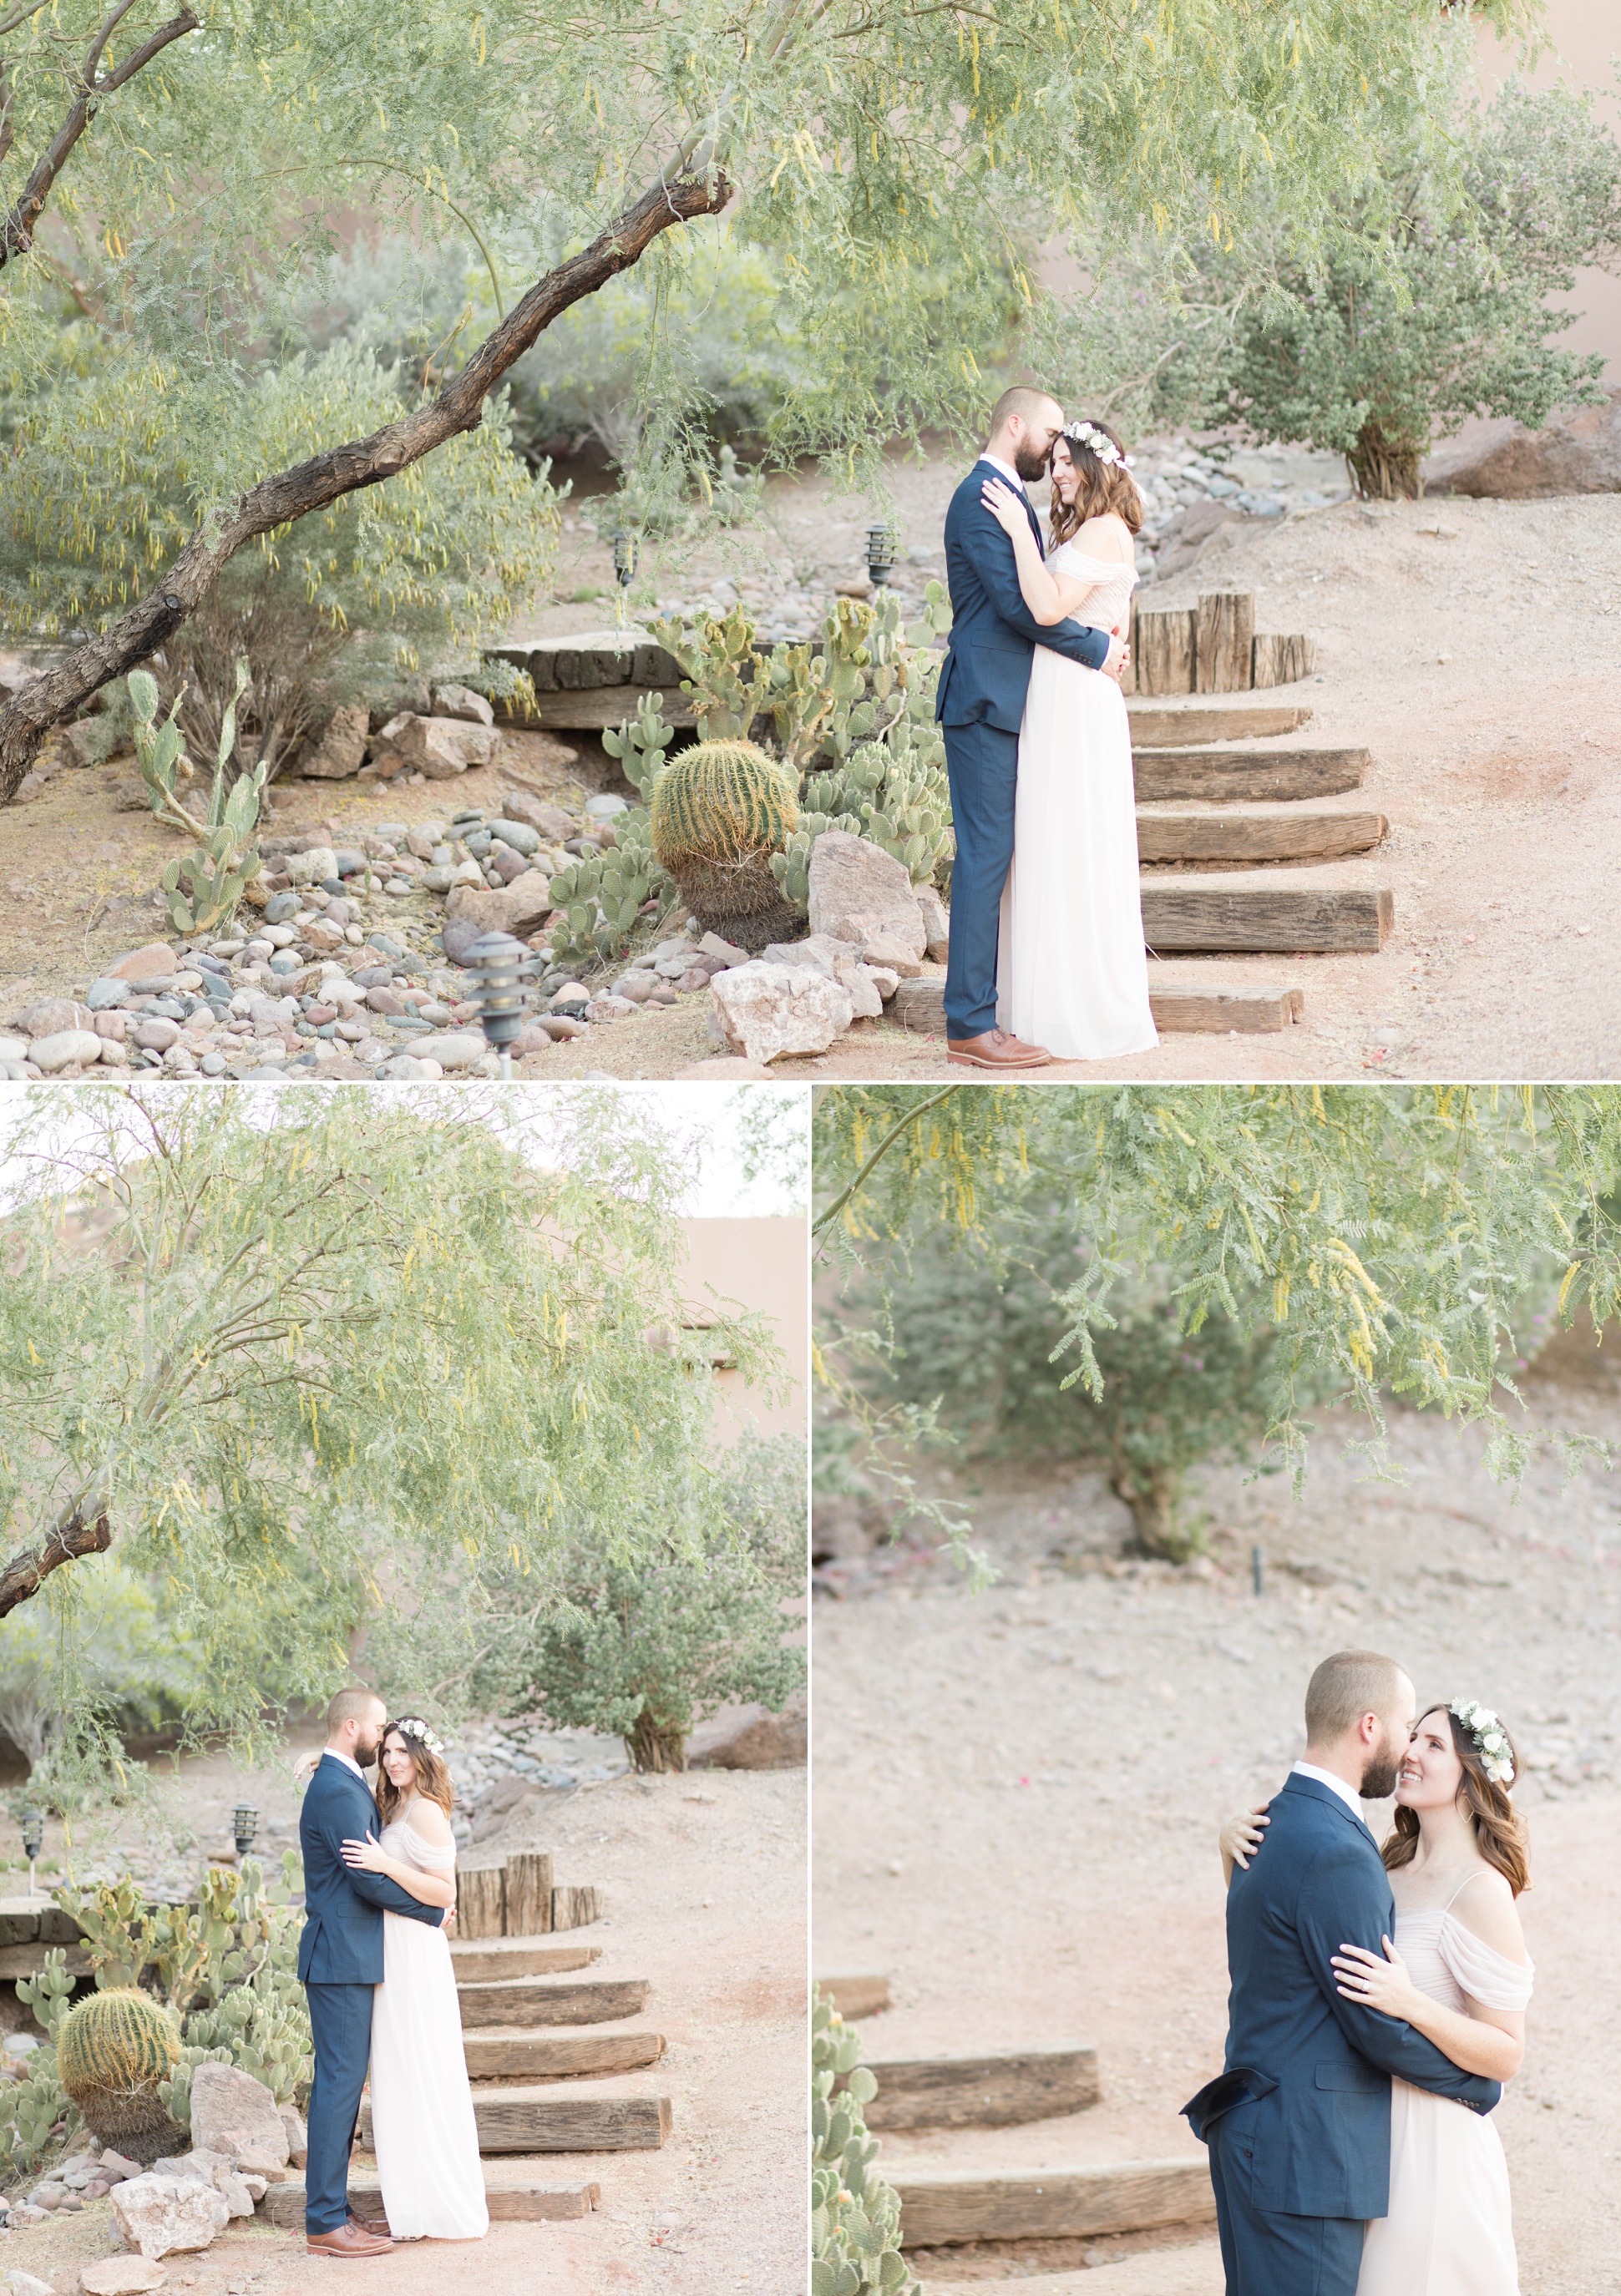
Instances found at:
x=305 y=1768
x=1003 y=505
x=1241 y=1834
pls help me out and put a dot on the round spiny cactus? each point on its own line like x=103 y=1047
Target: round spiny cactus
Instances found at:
x=112 y=2050
x=719 y=811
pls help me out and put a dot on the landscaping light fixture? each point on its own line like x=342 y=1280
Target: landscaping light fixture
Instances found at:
x=880 y=553
x=624 y=560
x=33 y=1838
x=500 y=970
x=244 y=1825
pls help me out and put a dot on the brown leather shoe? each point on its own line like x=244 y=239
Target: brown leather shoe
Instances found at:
x=996 y=1049
x=351 y=2239
x=379 y=2223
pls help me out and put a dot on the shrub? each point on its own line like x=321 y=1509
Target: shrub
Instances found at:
x=112 y=2051
x=855 y=2216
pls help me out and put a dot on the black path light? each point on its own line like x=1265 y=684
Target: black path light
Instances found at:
x=624 y=560
x=880 y=553
x=500 y=970
x=244 y=1825
x=33 y=1837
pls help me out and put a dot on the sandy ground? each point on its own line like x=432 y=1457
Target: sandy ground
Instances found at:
x=1017 y=1795
x=705 y=1881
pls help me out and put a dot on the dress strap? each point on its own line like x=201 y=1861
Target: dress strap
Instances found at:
x=1459 y=1891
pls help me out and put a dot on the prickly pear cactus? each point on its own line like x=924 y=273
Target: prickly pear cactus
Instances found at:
x=641 y=744
x=602 y=895
x=204 y=886
x=855 y=2216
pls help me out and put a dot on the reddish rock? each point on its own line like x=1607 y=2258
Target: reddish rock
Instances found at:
x=156 y=961
x=1577 y=453
x=385 y=1000
x=749 y=1739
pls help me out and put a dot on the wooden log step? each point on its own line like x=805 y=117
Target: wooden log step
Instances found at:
x=1238 y=914
x=29 y=1921
x=945 y=2208
x=517 y=1956
x=511 y=2190
x=540 y=2120
x=984 y=2092
x=856 y=1997
x=1273 y=833
x=589 y=709
x=558 y=2056
x=537 y=2001
x=576 y=1905
x=1158 y=725
x=1222 y=1011
x=527 y=1911
x=28 y=1960
x=1258 y=777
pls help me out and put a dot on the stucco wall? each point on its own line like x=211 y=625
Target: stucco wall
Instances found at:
x=759 y=1263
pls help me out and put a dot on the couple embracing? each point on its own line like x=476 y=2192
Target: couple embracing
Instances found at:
x=1047 y=957
x=1376 y=2006
x=374 y=1961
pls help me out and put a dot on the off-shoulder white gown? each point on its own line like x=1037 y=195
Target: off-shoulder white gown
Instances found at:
x=1449 y=2230
x=1072 y=971
x=422 y=2127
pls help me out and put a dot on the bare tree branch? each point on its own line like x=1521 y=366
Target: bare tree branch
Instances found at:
x=27 y=1571
x=326 y=478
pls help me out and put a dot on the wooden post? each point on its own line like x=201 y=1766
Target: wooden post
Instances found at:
x=1165 y=651
x=481 y=1901
x=1280 y=660
x=1225 y=641
x=576 y=1906
x=528 y=1893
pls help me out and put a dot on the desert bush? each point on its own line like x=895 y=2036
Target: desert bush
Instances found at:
x=131 y=1664
x=855 y=2214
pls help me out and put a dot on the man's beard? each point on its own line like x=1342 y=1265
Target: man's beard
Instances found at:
x=1380 y=1777
x=1031 y=461
x=366 y=1755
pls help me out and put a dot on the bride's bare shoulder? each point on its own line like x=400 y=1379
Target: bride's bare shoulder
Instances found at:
x=1486 y=1907
x=429 y=1822
x=1106 y=537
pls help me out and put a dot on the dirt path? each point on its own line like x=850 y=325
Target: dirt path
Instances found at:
x=1018 y=1794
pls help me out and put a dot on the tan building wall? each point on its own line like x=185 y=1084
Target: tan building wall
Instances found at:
x=761 y=1264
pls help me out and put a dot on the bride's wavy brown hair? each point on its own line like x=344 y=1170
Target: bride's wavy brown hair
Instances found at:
x=432 y=1777
x=1102 y=486
x=1498 y=1828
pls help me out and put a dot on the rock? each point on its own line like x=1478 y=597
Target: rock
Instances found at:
x=723 y=951
x=297 y=2139
x=725 y=1068
x=519 y=834
x=506 y=863
x=309 y=868
x=750 y=1738
x=440 y=748
x=70 y=1047
x=636 y=985
x=104 y=995
x=560 y=1026
x=858 y=892
x=936 y=924
x=862 y=990
x=385 y=1000
x=161 y=2214
x=767 y=1011
x=121 y=2275
x=49 y=2194
x=462 y=702
x=606 y=808
x=456 y=1049
x=118 y=2165
x=550 y=820
x=323 y=936
x=517 y=908
x=156 y=1035
x=406 y=1068
x=27 y=2283
x=232 y=2114
x=29 y=2215
x=280 y=907
x=341 y=749
x=613 y=1008
x=13 y=1048
x=48 y=1016
x=887 y=950
x=1577 y=452
x=156 y=961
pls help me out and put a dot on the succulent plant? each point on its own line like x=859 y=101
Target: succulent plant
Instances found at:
x=112 y=2051
x=204 y=886
x=602 y=895
x=719 y=812
x=855 y=2216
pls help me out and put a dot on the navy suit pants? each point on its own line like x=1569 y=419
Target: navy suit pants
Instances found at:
x=982 y=768
x=341 y=2021
x=1263 y=2251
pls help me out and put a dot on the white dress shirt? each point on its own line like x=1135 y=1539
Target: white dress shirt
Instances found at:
x=348 y=1763
x=1347 y=1795
x=1006 y=470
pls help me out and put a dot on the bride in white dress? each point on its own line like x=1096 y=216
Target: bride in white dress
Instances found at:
x=1072 y=971
x=1458 y=1973
x=423 y=2127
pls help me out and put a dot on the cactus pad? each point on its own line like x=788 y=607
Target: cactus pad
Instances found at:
x=111 y=2052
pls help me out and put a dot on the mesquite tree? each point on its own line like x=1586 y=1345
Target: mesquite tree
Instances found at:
x=900 y=162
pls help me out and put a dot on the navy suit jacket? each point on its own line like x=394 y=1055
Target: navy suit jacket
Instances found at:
x=987 y=666
x=1320 y=2066
x=343 y=1910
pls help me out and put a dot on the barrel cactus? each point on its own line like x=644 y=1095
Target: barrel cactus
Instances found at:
x=718 y=812
x=112 y=2050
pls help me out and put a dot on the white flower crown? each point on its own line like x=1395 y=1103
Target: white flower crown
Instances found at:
x=1491 y=1740
x=411 y=1726
x=1098 y=442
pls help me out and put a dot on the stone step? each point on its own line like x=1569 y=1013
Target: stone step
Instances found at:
x=539 y=2001
x=981 y=2092
x=1163 y=725
x=1235 y=912
x=946 y=2208
x=542 y=2119
x=1254 y=776
x=920 y=1005
x=480 y=1961
x=1272 y=832
x=512 y=2189
x=557 y=2056
x=857 y=1997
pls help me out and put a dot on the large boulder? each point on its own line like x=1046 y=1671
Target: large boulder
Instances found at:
x=158 y=2215
x=233 y=2114
x=1577 y=452
x=771 y=1010
x=440 y=748
x=461 y=702
x=341 y=752
x=859 y=893
x=749 y=1739
x=121 y=2275
x=517 y=909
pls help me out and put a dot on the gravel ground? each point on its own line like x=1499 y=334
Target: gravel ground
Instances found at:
x=1018 y=1794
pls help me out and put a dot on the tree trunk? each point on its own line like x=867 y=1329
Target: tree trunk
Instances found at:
x=27 y=1571
x=1381 y=467
x=652 y=1746
x=1154 y=1499
x=326 y=478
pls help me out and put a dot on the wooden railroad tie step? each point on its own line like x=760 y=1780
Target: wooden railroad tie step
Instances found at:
x=920 y=1005
x=510 y=2191
x=557 y=2056
x=545 y=2121
x=945 y=2208
x=1160 y=725
x=858 y=1996
x=1255 y=776
x=537 y=2001
x=1234 y=913
x=517 y=1956
x=983 y=2092
x=1273 y=832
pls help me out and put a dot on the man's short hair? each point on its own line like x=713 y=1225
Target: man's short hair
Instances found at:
x=350 y=1706
x=1023 y=400
x=1343 y=1688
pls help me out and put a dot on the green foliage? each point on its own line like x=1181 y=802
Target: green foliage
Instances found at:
x=206 y=885
x=33 y=2109
x=855 y=2214
x=602 y=895
x=642 y=744
x=112 y=2050
x=721 y=813
x=118 y=1657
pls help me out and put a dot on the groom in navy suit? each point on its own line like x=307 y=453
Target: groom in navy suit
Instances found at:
x=980 y=703
x=1298 y=2125
x=340 y=1961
